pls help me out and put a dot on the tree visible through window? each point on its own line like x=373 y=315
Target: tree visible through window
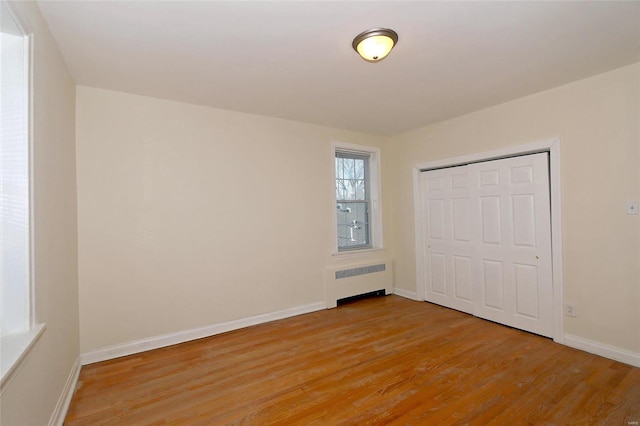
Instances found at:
x=353 y=200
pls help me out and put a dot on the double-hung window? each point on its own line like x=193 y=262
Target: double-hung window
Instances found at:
x=18 y=330
x=356 y=197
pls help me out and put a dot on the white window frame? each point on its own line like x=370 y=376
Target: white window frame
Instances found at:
x=375 y=207
x=15 y=347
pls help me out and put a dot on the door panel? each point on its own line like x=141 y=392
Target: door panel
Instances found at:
x=491 y=220
x=488 y=245
x=461 y=220
x=438 y=273
x=492 y=285
x=436 y=219
x=448 y=243
x=462 y=278
x=526 y=279
x=524 y=220
x=523 y=244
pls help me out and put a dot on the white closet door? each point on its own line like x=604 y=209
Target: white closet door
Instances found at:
x=512 y=279
x=488 y=245
x=448 y=251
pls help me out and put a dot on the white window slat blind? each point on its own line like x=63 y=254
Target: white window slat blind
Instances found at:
x=14 y=186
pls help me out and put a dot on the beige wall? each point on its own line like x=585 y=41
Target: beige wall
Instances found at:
x=597 y=122
x=171 y=198
x=190 y=216
x=33 y=391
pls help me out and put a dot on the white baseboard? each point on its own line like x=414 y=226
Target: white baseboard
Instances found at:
x=406 y=293
x=169 y=339
x=60 y=412
x=611 y=352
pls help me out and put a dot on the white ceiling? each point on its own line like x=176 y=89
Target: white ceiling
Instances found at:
x=294 y=59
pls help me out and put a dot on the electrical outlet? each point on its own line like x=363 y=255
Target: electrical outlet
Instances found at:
x=570 y=310
x=632 y=207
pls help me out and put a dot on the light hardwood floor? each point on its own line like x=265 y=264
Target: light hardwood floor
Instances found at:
x=385 y=360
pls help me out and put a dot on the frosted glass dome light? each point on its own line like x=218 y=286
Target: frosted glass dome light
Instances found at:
x=375 y=44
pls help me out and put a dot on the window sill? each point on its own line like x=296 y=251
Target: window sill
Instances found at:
x=14 y=349
x=357 y=253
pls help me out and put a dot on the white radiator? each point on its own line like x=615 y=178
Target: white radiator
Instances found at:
x=357 y=279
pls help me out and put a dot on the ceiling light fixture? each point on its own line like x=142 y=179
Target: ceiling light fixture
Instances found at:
x=375 y=44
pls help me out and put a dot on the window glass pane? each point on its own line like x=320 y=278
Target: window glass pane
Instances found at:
x=358 y=168
x=14 y=187
x=350 y=179
x=353 y=224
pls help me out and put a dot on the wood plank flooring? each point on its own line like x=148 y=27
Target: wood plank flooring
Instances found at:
x=385 y=360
